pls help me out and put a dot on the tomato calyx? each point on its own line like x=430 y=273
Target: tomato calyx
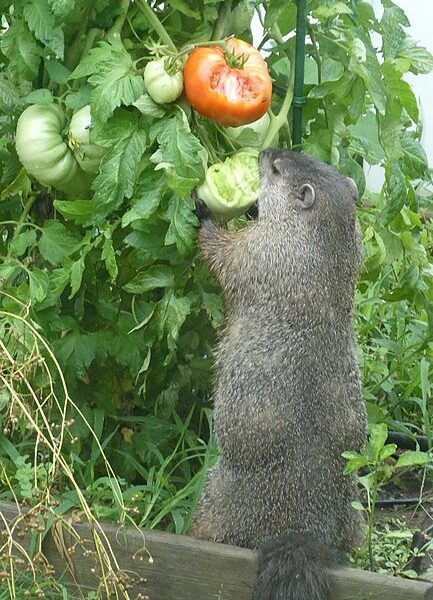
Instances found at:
x=235 y=60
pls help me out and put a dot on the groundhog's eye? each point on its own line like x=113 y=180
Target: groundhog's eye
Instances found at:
x=277 y=166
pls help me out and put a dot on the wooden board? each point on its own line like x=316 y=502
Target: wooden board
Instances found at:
x=186 y=569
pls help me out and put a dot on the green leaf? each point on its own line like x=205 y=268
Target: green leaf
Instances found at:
x=392 y=32
x=415 y=161
x=116 y=178
x=21 y=186
x=413 y=458
x=185 y=8
x=387 y=451
x=56 y=242
x=148 y=107
x=146 y=200
x=396 y=192
x=183 y=222
x=378 y=436
x=42 y=22
x=8 y=93
x=420 y=59
x=19 y=45
x=77 y=271
x=57 y=72
x=370 y=72
x=170 y=315
x=331 y=8
x=114 y=77
x=79 y=211
x=23 y=241
x=180 y=154
x=39 y=283
x=109 y=257
x=61 y=8
x=357 y=505
x=354 y=464
x=158 y=276
x=78 y=350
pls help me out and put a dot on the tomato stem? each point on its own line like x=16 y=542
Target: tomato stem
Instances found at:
x=278 y=121
x=156 y=24
x=222 y=43
x=223 y=20
x=117 y=27
x=20 y=223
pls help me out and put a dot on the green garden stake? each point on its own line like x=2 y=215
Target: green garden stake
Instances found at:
x=298 y=97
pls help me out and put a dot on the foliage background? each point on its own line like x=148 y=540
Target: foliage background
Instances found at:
x=113 y=281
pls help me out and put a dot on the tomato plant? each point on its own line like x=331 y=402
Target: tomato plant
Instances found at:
x=164 y=83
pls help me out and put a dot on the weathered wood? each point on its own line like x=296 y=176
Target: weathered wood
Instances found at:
x=187 y=569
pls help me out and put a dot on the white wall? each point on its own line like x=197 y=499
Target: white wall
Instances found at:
x=420 y=15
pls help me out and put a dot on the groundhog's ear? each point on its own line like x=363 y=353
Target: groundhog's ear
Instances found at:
x=306 y=196
x=353 y=188
x=277 y=166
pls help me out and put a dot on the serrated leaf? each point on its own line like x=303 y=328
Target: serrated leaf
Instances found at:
x=390 y=132
x=56 y=242
x=8 y=92
x=41 y=21
x=145 y=201
x=77 y=271
x=79 y=211
x=23 y=241
x=396 y=192
x=170 y=314
x=39 y=283
x=118 y=127
x=148 y=107
x=158 y=276
x=109 y=257
x=57 y=72
x=183 y=221
x=116 y=178
x=114 y=77
x=179 y=154
x=415 y=161
x=370 y=72
x=392 y=32
x=185 y=8
x=61 y=8
x=21 y=185
x=420 y=58
x=413 y=458
x=19 y=45
x=331 y=8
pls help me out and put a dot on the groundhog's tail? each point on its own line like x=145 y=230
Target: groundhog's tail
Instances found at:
x=294 y=566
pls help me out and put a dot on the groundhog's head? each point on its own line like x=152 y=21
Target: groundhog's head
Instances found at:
x=297 y=186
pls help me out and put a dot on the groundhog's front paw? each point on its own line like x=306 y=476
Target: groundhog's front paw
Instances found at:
x=201 y=210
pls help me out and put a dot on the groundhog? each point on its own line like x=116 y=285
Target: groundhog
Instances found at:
x=287 y=399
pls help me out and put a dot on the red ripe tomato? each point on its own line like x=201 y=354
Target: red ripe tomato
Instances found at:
x=231 y=87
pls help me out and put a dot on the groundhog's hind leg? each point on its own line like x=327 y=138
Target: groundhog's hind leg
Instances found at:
x=216 y=517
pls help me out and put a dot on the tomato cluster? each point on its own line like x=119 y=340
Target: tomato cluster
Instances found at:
x=227 y=83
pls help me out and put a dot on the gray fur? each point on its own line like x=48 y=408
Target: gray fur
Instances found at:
x=287 y=398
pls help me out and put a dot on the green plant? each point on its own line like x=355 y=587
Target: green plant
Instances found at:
x=378 y=469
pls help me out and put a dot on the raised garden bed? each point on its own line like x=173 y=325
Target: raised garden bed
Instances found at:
x=183 y=568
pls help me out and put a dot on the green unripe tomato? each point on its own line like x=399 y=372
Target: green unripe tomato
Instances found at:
x=232 y=186
x=44 y=153
x=87 y=154
x=162 y=86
